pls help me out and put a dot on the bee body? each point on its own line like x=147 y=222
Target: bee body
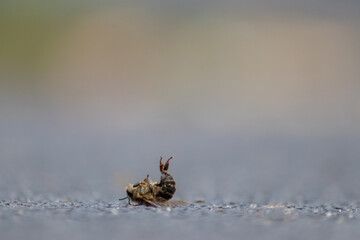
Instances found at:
x=153 y=193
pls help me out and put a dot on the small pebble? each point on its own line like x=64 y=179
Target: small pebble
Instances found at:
x=114 y=211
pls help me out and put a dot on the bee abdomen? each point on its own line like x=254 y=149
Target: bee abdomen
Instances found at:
x=167 y=187
x=167 y=191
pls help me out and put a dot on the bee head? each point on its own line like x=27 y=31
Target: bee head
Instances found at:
x=129 y=191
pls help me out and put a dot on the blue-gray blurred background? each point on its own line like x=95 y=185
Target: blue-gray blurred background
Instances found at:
x=255 y=100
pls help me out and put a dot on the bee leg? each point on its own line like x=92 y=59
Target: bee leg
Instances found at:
x=146 y=179
x=124 y=199
x=167 y=164
x=161 y=165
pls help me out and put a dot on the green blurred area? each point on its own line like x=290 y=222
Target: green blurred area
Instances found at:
x=262 y=66
x=29 y=28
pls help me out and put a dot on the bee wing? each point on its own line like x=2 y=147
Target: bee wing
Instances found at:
x=150 y=203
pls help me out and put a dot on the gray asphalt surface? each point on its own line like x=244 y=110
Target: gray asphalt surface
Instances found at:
x=72 y=219
x=254 y=188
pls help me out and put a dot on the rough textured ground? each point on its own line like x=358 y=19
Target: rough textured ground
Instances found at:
x=72 y=219
x=64 y=184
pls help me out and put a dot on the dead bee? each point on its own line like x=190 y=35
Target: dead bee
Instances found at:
x=153 y=193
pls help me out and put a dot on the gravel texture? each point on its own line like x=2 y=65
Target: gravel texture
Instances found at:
x=66 y=185
x=73 y=219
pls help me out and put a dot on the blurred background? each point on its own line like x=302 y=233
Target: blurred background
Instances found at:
x=257 y=101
